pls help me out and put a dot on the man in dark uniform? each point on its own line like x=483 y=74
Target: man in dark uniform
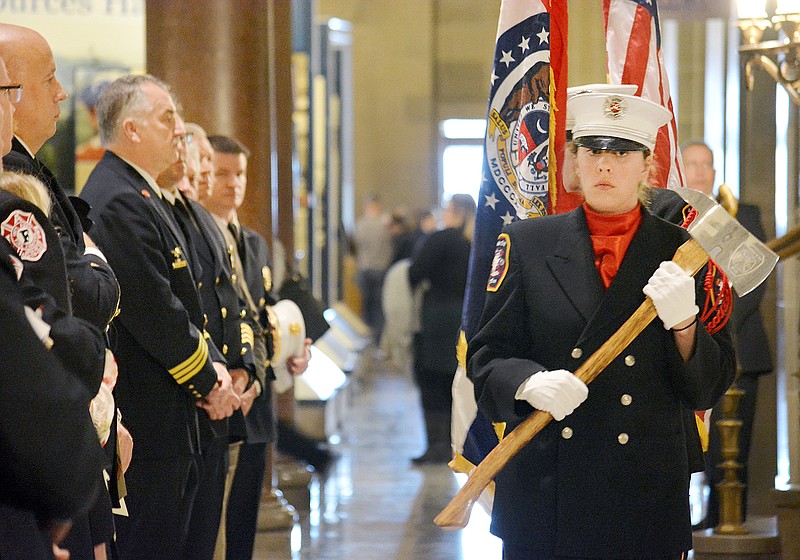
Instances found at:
x=91 y=290
x=230 y=333
x=32 y=406
x=252 y=256
x=94 y=291
x=753 y=354
x=167 y=368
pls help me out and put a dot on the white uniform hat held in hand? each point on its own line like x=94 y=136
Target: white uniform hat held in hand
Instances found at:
x=289 y=336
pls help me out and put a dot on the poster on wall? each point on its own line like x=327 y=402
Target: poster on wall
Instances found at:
x=694 y=9
x=93 y=42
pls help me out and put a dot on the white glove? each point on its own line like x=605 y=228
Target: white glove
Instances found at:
x=672 y=292
x=557 y=392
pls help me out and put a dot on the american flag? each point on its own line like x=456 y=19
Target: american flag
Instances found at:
x=633 y=44
x=527 y=101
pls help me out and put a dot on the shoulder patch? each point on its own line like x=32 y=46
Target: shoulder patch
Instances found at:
x=499 y=263
x=25 y=234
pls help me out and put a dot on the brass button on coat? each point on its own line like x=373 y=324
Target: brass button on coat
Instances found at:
x=224 y=348
x=577 y=353
x=626 y=399
x=629 y=360
x=622 y=438
x=242 y=314
x=224 y=312
x=566 y=433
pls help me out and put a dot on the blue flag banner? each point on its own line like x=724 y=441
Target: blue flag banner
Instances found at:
x=518 y=176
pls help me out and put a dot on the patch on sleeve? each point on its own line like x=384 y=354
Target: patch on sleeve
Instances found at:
x=25 y=234
x=499 y=263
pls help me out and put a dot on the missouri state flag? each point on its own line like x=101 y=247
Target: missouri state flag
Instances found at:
x=524 y=145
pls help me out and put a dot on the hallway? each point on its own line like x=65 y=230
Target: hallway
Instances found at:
x=374 y=504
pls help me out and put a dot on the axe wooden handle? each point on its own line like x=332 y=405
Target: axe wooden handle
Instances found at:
x=691 y=258
x=788 y=240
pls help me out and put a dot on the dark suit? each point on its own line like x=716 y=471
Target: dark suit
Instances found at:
x=224 y=318
x=93 y=286
x=49 y=444
x=754 y=359
x=165 y=362
x=260 y=424
x=612 y=479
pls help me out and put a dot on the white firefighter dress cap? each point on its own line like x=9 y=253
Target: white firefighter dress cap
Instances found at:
x=617 y=116
x=288 y=336
x=627 y=89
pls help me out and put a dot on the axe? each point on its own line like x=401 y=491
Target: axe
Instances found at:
x=716 y=234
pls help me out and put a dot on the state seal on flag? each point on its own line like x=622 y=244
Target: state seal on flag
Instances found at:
x=517 y=139
x=25 y=234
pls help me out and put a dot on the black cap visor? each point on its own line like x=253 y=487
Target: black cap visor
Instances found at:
x=610 y=144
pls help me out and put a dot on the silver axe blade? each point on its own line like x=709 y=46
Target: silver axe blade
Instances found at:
x=745 y=260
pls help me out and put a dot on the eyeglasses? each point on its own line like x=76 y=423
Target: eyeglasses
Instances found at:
x=183 y=139
x=13 y=92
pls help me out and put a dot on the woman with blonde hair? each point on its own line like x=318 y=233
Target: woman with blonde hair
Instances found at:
x=27 y=187
x=609 y=477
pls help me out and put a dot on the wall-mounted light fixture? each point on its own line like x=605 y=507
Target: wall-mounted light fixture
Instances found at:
x=779 y=58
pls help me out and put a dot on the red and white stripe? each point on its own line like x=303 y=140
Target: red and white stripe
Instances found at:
x=634 y=57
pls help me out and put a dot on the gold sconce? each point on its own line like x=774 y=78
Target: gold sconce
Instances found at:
x=779 y=58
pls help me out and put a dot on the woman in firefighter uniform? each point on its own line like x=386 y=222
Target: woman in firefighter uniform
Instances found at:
x=609 y=478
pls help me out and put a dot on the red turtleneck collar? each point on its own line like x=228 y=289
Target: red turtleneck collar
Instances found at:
x=611 y=236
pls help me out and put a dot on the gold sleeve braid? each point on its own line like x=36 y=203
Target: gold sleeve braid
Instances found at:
x=247 y=334
x=192 y=365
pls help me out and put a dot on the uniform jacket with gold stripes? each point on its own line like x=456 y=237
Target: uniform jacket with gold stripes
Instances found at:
x=611 y=480
x=165 y=362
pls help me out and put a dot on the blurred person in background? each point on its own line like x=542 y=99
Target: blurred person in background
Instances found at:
x=441 y=263
x=373 y=248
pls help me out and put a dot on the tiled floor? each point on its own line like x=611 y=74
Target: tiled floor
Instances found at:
x=375 y=504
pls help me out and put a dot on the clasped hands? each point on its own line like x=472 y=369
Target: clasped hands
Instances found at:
x=222 y=401
x=232 y=393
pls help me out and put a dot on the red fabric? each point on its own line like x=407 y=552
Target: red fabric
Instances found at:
x=560 y=200
x=633 y=47
x=611 y=236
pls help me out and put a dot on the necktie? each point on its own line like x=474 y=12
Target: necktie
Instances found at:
x=239 y=242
